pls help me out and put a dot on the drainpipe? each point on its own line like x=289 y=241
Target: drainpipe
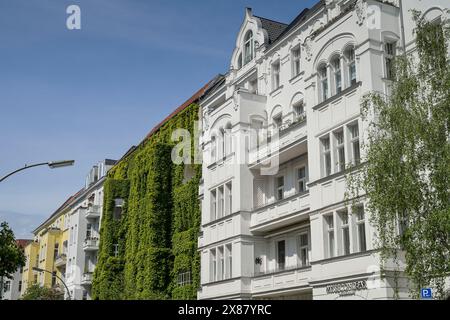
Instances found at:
x=402 y=26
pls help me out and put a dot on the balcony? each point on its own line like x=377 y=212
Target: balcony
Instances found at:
x=290 y=143
x=93 y=212
x=287 y=278
x=90 y=244
x=86 y=279
x=60 y=260
x=281 y=213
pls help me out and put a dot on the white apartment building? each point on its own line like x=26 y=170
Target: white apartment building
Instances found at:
x=277 y=135
x=84 y=232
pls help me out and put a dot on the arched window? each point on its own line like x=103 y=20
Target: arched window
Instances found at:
x=229 y=139
x=240 y=61
x=351 y=65
x=337 y=74
x=323 y=81
x=248 y=47
x=223 y=149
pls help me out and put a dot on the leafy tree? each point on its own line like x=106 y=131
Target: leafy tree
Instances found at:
x=37 y=292
x=11 y=255
x=406 y=175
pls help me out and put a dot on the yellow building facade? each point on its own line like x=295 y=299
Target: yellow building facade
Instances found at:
x=48 y=251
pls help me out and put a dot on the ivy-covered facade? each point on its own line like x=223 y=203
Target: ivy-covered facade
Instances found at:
x=151 y=218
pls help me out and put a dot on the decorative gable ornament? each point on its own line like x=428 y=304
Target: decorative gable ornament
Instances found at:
x=307 y=48
x=361 y=11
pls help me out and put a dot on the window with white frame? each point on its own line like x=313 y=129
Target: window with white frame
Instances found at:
x=336 y=64
x=213 y=265
x=389 y=55
x=213 y=149
x=296 y=61
x=340 y=150
x=361 y=228
x=304 y=249
x=275 y=75
x=223 y=148
x=279 y=191
x=278 y=121
x=323 y=80
x=221 y=195
x=330 y=235
x=326 y=156
x=345 y=232
x=221 y=254
x=229 y=261
x=229 y=193
x=248 y=47
x=281 y=254
x=299 y=111
x=184 y=278
x=354 y=142
x=351 y=65
x=301 y=179
x=213 y=204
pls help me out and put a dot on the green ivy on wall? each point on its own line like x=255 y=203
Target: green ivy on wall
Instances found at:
x=158 y=228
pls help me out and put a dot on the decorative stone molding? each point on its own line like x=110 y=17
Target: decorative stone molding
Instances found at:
x=307 y=48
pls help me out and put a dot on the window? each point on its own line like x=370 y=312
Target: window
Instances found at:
x=37 y=260
x=85 y=295
x=20 y=286
x=299 y=111
x=253 y=86
x=330 y=235
x=184 y=278
x=389 y=54
x=301 y=179
x=35 y=278
x=351 y=66
x=279 y=188
x=354 y=141
x=118 y=205
x=213 y=149
x=56 y=251
x=213 y=266
x=296 y=61
x=281 y=254
x=323 y=80
x=53 y=278
x=361 y=228
x=229 y=262
x=88 y=231
x=326 y=156
x=7 y=286
x=240 y=61
x=116 y=250
x=278 y=121
x=229 y=190
x=340 y=151
x=337 y=75
x=275 y=75
x=221 y=264
x=345 y=232
x=248 y=47
x=221 y=202
x=213 y=205
x=304 y=249
x=223 y=143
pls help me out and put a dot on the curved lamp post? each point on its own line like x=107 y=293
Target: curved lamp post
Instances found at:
x=51 y=165
x=54 y=274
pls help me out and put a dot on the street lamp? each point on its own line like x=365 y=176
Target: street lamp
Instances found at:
x=51 y=164
x=54 y=273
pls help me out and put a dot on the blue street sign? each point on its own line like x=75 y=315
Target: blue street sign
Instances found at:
x=426 y=293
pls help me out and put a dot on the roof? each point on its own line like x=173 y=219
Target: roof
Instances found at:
x=23 y=242
x=273 y=28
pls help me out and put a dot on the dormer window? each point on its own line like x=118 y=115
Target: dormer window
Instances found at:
x=248 y=47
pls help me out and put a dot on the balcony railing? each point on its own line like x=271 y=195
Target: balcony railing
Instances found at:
x=90 y=244
x=87 y=277
x=60 y=260
x=93 y=212
x=280 y=269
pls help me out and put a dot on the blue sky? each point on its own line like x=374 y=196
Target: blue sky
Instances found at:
x=90 y=94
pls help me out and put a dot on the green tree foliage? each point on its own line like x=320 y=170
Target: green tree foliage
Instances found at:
x=11 y=255
x=37 y=292
x=406 y=176
x=157 y=232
